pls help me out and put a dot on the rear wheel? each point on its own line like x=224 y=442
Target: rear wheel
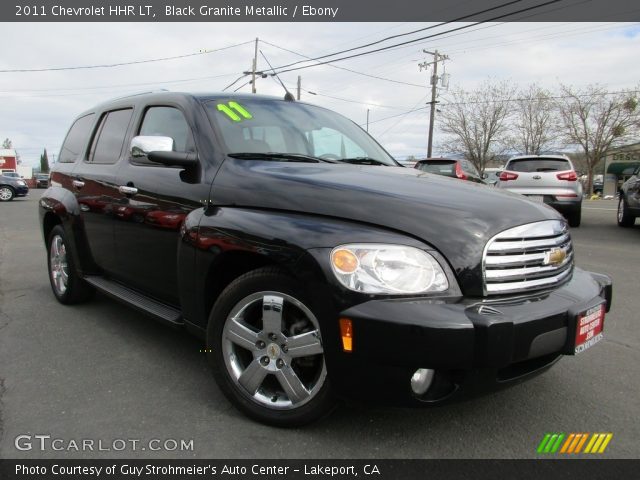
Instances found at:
x=625 y=219
x=266 y=350
x=575 y=218
x=6 y=194
x=66 y=283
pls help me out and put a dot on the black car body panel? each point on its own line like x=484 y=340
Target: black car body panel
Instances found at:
x=417 y=204
x=187 y=233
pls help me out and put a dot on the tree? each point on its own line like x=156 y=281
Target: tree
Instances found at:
x=476 y=122
x=7 y=143
x=536 y=126
x=44 y=162
x=595 y=120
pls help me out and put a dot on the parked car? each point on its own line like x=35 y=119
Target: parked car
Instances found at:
x=455 y=168
x=314 y=267
x=42 y=180
x=12 y=174
x=11 y=187
x=492 y=175
x=629 y=200
x=598 y=184
x=549 y=179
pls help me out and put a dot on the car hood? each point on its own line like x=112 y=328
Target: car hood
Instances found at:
x=455 y=217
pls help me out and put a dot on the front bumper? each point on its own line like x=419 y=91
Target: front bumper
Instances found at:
x=474 y=345
x=21 y=191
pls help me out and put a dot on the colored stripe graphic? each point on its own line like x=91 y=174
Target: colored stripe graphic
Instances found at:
x=230 y=113
x=241 y=110
x=573 y=443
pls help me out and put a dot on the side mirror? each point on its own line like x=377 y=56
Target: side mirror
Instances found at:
x=160 y=150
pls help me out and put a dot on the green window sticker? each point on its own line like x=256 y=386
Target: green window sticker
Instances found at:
x=232 y=109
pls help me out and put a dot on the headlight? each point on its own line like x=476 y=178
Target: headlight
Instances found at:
x=387 y=269
x=21 y=183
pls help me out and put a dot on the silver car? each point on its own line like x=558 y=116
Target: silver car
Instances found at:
x=550 y=179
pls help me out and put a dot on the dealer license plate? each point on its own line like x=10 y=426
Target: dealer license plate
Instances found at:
x=589 y=328
x=536 y=198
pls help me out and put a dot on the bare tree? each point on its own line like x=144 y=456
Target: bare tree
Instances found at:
x=536 y=126
x=476 y=122
x=596 y=120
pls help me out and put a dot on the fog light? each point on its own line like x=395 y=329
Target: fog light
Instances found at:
x=421 y=380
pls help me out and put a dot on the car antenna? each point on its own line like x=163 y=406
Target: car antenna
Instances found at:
x=287 y=96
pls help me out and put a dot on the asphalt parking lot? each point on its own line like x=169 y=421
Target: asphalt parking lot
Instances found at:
x=102 y=371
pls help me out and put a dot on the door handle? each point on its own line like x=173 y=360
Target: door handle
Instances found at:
x=78 y=184
x=127 y=190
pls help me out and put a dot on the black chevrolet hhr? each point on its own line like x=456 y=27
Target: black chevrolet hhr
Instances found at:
x=312 y=264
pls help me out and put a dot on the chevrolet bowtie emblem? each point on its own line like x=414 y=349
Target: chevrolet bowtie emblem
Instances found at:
x=555 y=256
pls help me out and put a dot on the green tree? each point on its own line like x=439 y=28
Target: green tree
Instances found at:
x=44 y=162
x=7 y=143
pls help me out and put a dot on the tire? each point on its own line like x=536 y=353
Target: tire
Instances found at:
x=624 y=218
x=66 y=283
x=6 y=194
x=254 y=325
x=575 y=218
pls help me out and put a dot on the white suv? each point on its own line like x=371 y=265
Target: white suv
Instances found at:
x=550 y=179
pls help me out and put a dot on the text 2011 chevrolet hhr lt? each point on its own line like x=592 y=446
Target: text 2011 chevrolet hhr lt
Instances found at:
x=314 y=266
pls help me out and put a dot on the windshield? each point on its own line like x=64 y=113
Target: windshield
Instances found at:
x=273 y=126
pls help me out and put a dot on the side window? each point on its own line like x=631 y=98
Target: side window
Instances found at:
x=76 y=139
x=109 y=137
x=168 y=122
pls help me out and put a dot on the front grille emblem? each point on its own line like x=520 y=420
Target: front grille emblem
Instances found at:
x=555 y=256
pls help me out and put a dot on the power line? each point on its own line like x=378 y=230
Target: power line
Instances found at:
x=419 y=39
x=120 y=64
x=345 y=68
x=404 y=34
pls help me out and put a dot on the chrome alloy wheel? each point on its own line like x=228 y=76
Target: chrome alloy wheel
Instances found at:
x=5 y=194
x=273 y=350
x=59 y=265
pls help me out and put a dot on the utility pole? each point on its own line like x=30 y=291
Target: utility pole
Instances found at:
x=437 y=57
x=254 y=68
x=299 y=86
x=367 y=119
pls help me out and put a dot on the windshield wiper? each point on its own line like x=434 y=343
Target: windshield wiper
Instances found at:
x=363 y=161
x=278 y=157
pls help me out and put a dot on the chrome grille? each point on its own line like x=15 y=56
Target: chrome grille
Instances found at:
x=528 y=257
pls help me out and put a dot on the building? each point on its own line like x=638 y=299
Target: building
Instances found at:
x=8 y=160
x=619 y=164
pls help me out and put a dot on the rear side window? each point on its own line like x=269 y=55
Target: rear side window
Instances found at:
x=109 y=138
x=168 y=122
x=538 y=165
x=76 y=139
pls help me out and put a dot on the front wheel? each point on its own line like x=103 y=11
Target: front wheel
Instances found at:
x=624 y=218
x=6 y=194
x=267 y=352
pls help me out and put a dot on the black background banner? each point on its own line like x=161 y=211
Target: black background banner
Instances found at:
x=320 y=469
x=316 y=10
